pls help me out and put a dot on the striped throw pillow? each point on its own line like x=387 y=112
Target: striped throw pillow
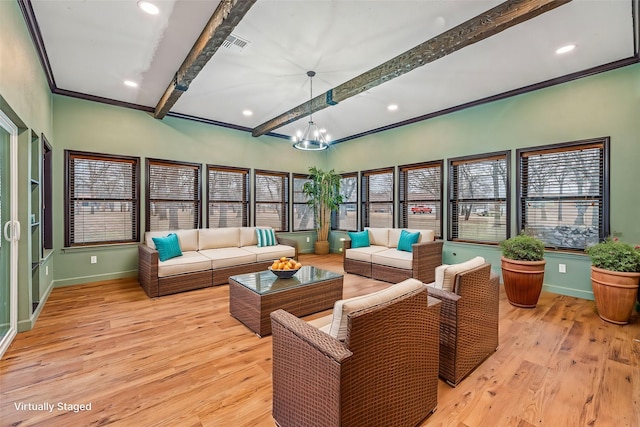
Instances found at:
x=266 y=237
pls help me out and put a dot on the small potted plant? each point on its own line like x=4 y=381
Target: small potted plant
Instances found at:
x=323 y=195
x=523 y=269
x=615 y=275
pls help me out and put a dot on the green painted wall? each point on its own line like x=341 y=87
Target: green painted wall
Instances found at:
x=26 y=99
x=603 y=105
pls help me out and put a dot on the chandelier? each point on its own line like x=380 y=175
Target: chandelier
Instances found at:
x=313 y=138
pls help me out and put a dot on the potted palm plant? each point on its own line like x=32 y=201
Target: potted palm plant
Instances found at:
x=323 y=195
x=523 y=269
x=615 y=275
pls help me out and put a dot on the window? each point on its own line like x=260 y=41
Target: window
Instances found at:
x=303 y=216
x=47 y=195
x=377 y=198
x=563 y=193
x=173 y=195
x=228 y=197
x=421 y=196
x=478 y=198
x=347 y=215
x=101 y=198
x=272 y=200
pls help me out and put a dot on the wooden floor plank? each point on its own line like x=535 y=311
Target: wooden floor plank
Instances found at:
x=182 y=360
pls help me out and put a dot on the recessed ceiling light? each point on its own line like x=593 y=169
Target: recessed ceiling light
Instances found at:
x=130 y=83
x=392 y=107
x=565 y=49
x=247 y=112
x=148 y=7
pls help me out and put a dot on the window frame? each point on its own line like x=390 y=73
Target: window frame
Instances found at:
x=305 y=178
x=334 y=216
x=246 y=192
x=604 y=144
x=365 y=204
x=452 y=215
x=70 y=155
x=284 y=176
x=197 y=191
x=403 y=184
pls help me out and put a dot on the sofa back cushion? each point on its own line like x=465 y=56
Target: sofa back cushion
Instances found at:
x=214 y=238
x=425 y=235
x=450 y=272
x=188 y=238
x=342 y=308
x=248 y=236
x=379 y=236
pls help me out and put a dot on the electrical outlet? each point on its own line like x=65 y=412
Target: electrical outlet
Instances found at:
x=94 y=259
x=562 y=268
x=308 y=239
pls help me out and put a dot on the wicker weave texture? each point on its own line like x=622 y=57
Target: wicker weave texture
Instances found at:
x=384 y=374
x=253 y=309
x=469 y=323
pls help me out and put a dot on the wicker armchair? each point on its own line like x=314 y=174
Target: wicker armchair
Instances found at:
x=384 y=373
x=468 y=322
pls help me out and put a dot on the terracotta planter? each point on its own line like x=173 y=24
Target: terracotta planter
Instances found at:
x=321 y=247
x=615 y=293
x=523 y=281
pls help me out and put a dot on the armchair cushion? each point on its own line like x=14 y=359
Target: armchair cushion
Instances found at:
x=439 y=276
x=168 y=246
x=359 y=239
x=453 y=270
x=407 y=239
x=342 y=308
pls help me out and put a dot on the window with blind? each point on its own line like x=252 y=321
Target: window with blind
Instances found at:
x=479 y=198
x=421 y=196
x=303 y=216
x=346 y=218
x=227 y=196
x=173 y=195
x=563 y=193
x=272 y=200
x=377 y=198
x=101 y=198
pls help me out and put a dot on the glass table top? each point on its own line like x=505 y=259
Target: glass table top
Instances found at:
x=265 y=282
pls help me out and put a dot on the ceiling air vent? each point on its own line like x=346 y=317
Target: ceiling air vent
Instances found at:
x=235 y=43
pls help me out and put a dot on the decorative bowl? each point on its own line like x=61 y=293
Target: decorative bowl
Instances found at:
x=284 y=274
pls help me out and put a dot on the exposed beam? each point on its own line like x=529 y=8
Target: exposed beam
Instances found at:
x=487 y=24
x=224 y=19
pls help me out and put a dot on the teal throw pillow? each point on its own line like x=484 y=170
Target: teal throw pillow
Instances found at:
x=407 y=239
x=266 y=237
x=359 y=239
x=168 y=247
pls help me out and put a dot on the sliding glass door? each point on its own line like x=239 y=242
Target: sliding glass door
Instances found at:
x=10 y=232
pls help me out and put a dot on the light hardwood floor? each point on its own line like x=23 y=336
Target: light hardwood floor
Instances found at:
x=182 y=360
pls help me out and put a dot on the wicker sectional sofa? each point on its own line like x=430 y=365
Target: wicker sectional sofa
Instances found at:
x=209 y=257
x=381 y=260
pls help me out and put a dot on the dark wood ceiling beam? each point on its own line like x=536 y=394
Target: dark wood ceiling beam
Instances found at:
x=224 y=19
x=487 y=24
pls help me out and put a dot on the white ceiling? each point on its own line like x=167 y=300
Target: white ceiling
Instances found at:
x=94 y=45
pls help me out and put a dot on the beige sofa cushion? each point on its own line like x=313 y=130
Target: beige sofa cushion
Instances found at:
x=378 y=236
x=215 y=238
x=271 y=253
x=393 y=258
x=450 y=273
x=188 y=238
x=342 y=308
x=363 y=254
x=322 y=323
x=425 y=235
x=189 y=262
x=228 y=257
x=248 y=236
x=439 y=276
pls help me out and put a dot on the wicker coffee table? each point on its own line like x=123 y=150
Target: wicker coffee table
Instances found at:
x=252 y=297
